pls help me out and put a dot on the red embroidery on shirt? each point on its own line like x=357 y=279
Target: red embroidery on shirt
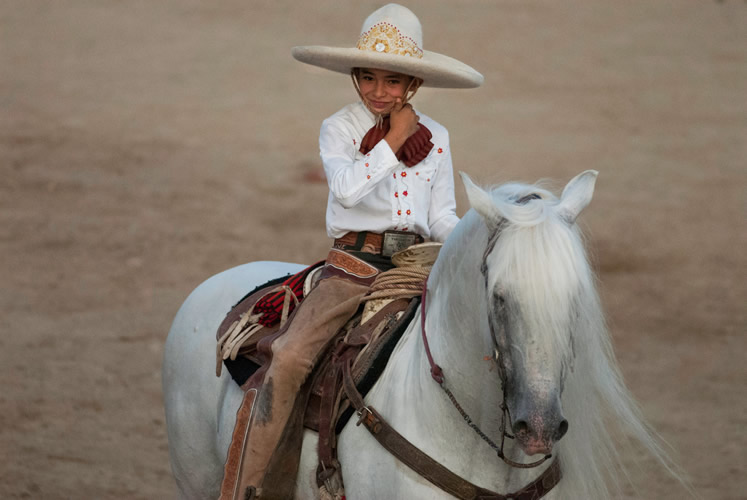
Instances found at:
x=357 y=143
x=366 y=164
x=404 y=174
x=404 y=193
x=399 y=212
x=440 y=150
x=408 y=212
x=368 y=177
x=396 y=194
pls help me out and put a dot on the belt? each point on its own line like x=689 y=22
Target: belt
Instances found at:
x=386 y=243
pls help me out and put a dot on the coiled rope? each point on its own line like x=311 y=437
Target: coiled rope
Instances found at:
x=399 y=283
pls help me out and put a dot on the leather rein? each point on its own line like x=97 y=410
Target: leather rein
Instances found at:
x=429 y=468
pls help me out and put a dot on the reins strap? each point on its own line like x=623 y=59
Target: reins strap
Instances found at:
x=436 y=372
x=427 y=467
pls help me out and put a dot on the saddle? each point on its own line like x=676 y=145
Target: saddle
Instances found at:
x=370 y=341
x=365 y=343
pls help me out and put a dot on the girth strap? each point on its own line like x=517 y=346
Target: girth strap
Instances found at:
x=431 y=470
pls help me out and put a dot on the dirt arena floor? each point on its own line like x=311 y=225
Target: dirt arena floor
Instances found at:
x=145 y=146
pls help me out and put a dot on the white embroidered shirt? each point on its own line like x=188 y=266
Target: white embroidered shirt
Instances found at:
x=376 y=192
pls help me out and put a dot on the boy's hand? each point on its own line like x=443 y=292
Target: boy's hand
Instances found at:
x=403 y=122
x=403 y=119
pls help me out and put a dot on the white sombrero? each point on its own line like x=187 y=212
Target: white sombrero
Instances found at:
x=392 y=39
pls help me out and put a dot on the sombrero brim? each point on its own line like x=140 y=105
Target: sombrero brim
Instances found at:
x=436 y=70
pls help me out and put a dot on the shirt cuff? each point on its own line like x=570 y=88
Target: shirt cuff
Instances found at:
x=384 y=153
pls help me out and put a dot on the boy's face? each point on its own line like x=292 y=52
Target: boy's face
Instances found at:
x=381 y=88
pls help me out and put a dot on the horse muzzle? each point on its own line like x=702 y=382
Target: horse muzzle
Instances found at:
x=537 y=432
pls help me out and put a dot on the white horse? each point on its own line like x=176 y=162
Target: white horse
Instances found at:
x=511 y=309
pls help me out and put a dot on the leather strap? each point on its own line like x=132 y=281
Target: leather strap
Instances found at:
x=345 y=352
x=436 y=371
x=366 y=241
x=431 y=470
x=232 y=467
x=356 y=241
x=343 y=265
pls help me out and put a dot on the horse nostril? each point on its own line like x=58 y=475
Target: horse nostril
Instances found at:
x=562 y=429
x=520 y=427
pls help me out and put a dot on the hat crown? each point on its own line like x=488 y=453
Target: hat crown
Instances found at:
x=401 y=18
x=392 y=29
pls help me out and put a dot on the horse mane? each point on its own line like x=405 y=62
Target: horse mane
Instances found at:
x=541 y=247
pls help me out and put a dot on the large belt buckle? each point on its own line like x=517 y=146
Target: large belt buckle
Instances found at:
x=394 y=241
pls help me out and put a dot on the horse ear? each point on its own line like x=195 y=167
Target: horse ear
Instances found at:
x=577 y=195
x=480 y=200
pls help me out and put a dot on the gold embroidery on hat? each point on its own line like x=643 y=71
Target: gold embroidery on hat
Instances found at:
x=386 y=38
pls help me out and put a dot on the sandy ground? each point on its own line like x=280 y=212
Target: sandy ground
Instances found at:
x=145 y=146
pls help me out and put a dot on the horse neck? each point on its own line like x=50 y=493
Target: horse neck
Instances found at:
x=456 y=331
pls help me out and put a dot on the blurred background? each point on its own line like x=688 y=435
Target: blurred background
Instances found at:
x=145 y=146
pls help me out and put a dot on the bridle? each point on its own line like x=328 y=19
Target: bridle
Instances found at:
x=438 y=375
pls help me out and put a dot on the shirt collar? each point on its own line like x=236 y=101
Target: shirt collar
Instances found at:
x=364 y=114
